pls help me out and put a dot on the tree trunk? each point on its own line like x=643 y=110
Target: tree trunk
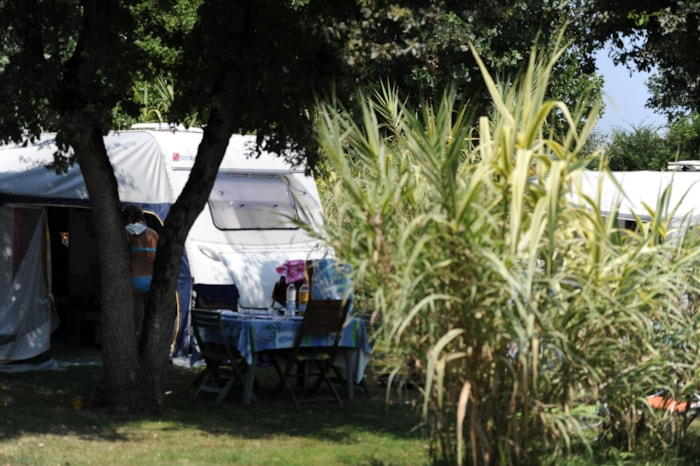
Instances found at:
x=161 y=311
x=119 y=349
x=135 y=371
x=82 y=126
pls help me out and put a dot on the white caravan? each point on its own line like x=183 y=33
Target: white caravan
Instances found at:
x=631 y=193
x=48 y=264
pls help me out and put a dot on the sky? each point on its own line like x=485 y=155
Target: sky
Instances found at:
x=624 y=97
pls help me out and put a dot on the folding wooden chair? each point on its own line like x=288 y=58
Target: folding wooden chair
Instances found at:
x=223 y=363
x=321 y=317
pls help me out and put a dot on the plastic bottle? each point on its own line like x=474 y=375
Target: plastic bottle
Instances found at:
x=291 y=306
x=303 y=296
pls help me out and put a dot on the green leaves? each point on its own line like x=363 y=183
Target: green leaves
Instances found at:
x=495 y=276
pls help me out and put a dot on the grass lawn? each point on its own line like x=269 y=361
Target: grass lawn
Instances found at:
x=39 y=426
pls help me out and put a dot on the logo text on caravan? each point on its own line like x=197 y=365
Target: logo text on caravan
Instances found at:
x=178 y=157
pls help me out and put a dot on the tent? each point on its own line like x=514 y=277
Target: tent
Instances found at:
x=639 y=192
x=49 y=277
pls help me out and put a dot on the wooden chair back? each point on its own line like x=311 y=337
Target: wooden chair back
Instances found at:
x=324 y=316
x=207 y=320
x=216 y=297
x=217 y=354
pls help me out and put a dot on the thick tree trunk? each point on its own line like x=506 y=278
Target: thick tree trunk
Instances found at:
x=158 y=331
x=119 y=348
x=136 y=371
x=82 y=126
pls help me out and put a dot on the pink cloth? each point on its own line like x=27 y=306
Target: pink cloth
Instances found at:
x=293 y=270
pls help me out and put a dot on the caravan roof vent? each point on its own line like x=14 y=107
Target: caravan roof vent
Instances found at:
x=684 y=166
x=163 y=127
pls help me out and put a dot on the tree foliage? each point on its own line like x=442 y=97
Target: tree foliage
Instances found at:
x=641 y=148
x=46 y=81
x=278 y=58
x=646 y=147
x=419 y=47
x=658 y=35
x=423 y=48
x=683 y=138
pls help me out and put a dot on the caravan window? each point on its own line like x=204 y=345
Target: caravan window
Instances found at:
x=252 y=202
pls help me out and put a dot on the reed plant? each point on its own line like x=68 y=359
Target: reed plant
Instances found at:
x=532 y=319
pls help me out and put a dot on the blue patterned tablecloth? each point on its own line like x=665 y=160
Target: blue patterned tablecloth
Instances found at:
x=262 y=333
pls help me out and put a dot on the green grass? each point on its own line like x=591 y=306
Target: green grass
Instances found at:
x=40 y=427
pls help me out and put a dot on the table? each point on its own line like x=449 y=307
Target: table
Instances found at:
x=251 y=335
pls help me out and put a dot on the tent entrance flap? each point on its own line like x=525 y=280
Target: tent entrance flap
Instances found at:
x=25 y=303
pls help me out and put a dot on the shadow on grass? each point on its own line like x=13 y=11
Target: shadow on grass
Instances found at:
x=41 y=403
x=275 y=414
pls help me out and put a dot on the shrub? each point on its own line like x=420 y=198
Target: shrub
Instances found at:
x=499 y=281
